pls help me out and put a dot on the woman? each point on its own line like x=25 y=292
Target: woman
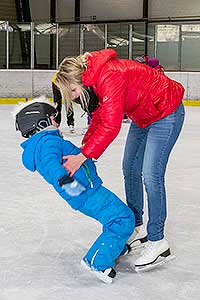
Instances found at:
x=154 y=104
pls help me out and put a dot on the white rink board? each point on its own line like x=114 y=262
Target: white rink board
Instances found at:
x=31 y=83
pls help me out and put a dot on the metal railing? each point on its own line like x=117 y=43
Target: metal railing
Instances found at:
x=175 y=42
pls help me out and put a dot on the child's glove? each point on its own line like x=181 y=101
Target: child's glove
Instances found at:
x=71 y=186
x=74 y=188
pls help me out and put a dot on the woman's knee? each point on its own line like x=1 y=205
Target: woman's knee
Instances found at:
x=152 y=180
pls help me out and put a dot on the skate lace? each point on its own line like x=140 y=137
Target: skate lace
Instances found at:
x=147 y=249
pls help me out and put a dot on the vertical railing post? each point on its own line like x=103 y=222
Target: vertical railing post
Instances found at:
x=57 y=45
x=130 y=41
x=81 y=45
x=106 y=36
x=155 y=39
x=52 y=20
x=145 y=16
x=180 y=47
x=77 y=10
x=7 y=45
x=32 y=46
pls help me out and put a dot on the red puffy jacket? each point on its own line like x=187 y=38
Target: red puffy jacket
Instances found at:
x=125 y=86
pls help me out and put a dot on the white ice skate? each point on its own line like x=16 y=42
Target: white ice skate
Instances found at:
x=138 y=238
x=154 y=254
x=71 y=129
x=105 y=275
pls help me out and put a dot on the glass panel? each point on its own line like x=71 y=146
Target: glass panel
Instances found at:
x=19 y=46
x=175 y=45
x=3 y=27
x=94 y=37
x=190 y=58
x=167 y=46
x=151 y=40
x=118 y=38
x=45 y=46
x=138 y=39
x=68 y=41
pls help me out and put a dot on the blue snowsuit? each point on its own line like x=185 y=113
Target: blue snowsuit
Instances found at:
x=43 y=153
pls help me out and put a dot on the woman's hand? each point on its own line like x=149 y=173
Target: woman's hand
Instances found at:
x=73 y=162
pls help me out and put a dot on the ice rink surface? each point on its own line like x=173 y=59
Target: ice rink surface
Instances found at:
x=43 y=240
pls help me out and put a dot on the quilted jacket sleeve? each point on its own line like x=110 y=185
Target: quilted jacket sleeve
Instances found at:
x=51 y=160
x=107 y=119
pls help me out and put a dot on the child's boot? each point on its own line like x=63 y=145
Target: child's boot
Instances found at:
x=104 y=275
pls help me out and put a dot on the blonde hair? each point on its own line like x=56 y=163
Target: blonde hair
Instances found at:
x=70 y=72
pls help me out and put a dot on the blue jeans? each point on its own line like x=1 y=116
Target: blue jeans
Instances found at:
x=146 y=155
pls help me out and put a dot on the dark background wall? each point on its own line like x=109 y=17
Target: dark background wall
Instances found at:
x=7 y=10
x=102 y=9
x=115 y=9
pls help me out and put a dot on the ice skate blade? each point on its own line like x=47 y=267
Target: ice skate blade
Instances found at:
x=85 y=265
x=100 y=275
x=156 y=264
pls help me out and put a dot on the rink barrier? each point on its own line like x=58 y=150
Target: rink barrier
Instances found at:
x=191 y=102
x=16 y=100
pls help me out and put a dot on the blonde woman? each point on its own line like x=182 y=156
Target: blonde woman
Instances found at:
x=154 y=104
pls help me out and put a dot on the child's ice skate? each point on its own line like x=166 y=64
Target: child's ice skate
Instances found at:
x=138 y=238
x=154 y=254
x=104 y=275
x=127 y=249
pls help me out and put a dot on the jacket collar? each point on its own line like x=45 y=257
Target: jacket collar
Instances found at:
x=95 y=63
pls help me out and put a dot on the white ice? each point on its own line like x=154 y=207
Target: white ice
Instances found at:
x=42 y=240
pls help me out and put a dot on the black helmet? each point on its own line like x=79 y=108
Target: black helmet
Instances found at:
x=34 y=117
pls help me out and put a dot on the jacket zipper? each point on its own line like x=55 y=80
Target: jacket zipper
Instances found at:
x=88 y=174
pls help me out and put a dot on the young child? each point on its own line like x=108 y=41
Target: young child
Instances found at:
x=43 y=152
x=92 y=105
x=57 y=98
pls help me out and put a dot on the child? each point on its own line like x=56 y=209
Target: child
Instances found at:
x=92 y=105
x=43 y=152
x=57 y=98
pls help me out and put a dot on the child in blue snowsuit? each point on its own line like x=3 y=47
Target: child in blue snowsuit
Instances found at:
x=43 y=152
